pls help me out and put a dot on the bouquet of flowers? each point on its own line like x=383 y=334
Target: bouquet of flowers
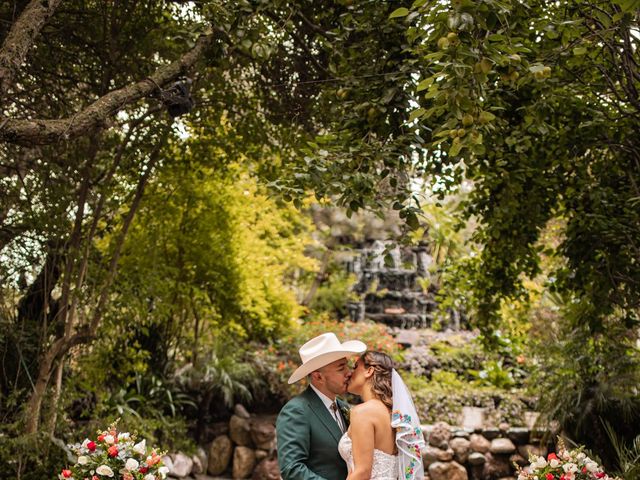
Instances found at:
x=115 y=455
x=565 y=465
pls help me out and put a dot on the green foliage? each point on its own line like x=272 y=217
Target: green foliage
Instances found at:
x=31 y=457
x=333 y=294
x=627 y=455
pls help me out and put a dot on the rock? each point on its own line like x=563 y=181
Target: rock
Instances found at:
x=461 y=448
x=462 y=433
x=182 y=465
x=476 y=458
x=167 y=461
x=198 y=466
x=472 y=417
x=502 y=446
x=407 y=338
x=240 y=430
x=261 y=455
x=432 y=454
x=518 y=435
x=267 y=469
x=440 y=435
x=244 y=459
x=479 y=444
x=240 y=411
x=503 y=427
x=518 y=460
x=527 y=450
x=200 y=476
x=491 y=433
x=496 y=466
x=199 y=461
x=447 y=471
x=263 y=434
x=476 y=471
x=219 y=455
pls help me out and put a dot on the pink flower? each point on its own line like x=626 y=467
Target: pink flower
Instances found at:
x=112 y=451
x=66 y=473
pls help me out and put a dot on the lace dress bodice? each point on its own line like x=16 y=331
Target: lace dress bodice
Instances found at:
x=385 y=465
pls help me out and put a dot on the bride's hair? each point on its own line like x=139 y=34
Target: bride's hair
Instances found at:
x=381 y=379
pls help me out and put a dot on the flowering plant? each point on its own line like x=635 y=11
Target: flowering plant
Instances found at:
x=565 y=465
x=115 y=455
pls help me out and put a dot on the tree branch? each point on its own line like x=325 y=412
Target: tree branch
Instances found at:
x=43 y=132
x=21 y=36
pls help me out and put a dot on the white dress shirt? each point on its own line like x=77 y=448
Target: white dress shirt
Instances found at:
x=337 y=416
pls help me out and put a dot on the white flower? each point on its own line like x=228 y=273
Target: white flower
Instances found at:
x=554 y=463
x=163 y=471
x=123 y=436
x=131 y=464
x=83 y=459
x=141 y=447
x=84 y=444
x=104 y=470
x=109 y=439
x=592 y=466
x=570 y=467
x=539 y=462
x=581 y=456
x=149 y=476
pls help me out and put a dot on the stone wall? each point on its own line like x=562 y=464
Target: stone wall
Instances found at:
x=246 y=448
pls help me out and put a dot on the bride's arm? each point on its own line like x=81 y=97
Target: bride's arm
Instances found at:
x=362 y=435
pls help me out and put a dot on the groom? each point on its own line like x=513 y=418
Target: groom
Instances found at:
x=310 y=425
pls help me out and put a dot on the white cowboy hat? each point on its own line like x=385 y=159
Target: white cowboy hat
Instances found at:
x=321 y=351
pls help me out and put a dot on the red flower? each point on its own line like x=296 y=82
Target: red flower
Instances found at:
x=91 y=446
x=600 y=475
x=101 y=437
x=112 y=451
x=552 y=456
x=549 y=476
x=66 y=473
x=95 y=477
x=143 y=469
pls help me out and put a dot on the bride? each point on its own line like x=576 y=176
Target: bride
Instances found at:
x=384 y=438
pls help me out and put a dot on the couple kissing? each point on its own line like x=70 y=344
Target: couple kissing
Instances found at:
x=320 y=437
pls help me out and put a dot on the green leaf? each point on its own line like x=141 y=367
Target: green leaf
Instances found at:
x=456 y=146
x=579 y=51
x=400 y=12
x=416 y=113
x=424 y=84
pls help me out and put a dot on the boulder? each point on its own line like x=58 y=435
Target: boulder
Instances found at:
x=214 y=430
x=244 y=459
x=240 y=411
x=267 y=469
x=461 y=448
x=167 y=461
x=518 y=435
x=440 y=435
x=261 y=455
x=199 y=461
x=462 y=433
x=432 y=455
x=518 y=460
x=476 y=458
x=502 y=446
x=220 y=453
x=447 y=471
x=240 y=430
x=496 y=466
x=490 y=433
x=473 y=417
x=528 y=450
x=479 y=444
x=503 y=427
x=182 y=465
x=263 y=434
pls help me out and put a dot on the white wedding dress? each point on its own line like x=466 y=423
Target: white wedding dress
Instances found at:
x=385 y=465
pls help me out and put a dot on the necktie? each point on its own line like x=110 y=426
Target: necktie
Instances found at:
x=336 y=414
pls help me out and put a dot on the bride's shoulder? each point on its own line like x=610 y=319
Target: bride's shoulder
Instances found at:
x=370 y=407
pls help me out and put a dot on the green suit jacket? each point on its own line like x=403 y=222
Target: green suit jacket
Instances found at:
x=308 y=437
